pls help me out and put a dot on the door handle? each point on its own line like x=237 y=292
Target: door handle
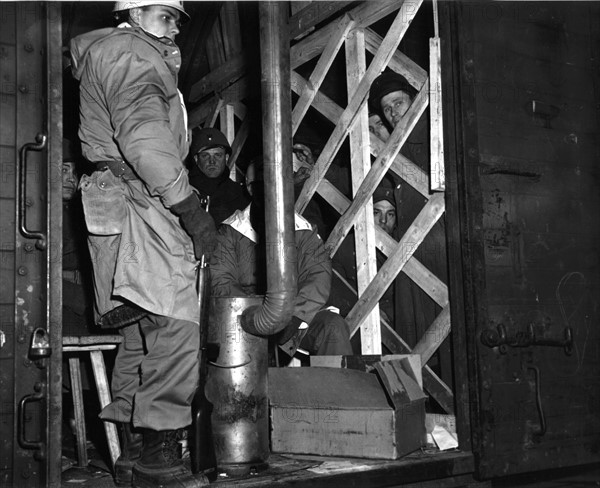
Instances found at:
x=25 y=443
x=40 y=144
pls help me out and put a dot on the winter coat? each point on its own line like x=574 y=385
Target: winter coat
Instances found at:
x=226 y=196
x=238 y=267
x=131 y=111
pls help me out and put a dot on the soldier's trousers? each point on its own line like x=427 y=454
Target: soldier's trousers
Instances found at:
x=155 y=374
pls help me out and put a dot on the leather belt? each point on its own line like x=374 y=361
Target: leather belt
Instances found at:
x=118 y=168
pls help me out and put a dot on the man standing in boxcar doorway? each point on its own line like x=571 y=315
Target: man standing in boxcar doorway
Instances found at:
x=147 y=230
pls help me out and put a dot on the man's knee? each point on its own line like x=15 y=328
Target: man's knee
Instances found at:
x=331 y=332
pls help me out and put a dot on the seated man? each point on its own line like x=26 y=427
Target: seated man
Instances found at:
x=238 y=268
x=209 y=173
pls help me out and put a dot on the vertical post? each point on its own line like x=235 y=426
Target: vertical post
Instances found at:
x=364 y=231
x=54 y=128
x=227 y=125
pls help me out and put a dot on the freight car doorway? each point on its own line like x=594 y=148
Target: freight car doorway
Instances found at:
x=503 y=375
x=404 y=307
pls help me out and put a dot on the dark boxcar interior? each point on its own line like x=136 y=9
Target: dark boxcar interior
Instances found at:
x=513 y=355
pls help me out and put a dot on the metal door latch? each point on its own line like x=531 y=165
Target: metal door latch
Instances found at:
x=502 y=338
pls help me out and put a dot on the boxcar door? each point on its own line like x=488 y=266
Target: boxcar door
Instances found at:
x=30 y=259
x=529 y=84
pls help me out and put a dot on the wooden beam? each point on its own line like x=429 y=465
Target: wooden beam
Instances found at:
x=364 y=14
x=230 y=28
x=239 y=109
x=402 y=166
x=434 y=385
x=234 y=93
x=379 y=168
x=364 y=235
x=308 y=16
x=400 y=62
x=388 y=46
x=437 y=175
x=211 y=117
x=215 y=52
x=219 y=78
x=413 y=237
x=325 y=105
x=434 y=335
x=238 y=143
x=227 y=127
x=414 y=269
x=320 y=71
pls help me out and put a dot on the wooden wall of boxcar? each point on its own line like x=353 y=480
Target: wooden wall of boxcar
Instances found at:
x=532 y=71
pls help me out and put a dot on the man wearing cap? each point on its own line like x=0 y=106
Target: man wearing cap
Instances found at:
x=209 y=173
x=147 y=232
x=238 y=268
x=385 y=204
x=391 y=96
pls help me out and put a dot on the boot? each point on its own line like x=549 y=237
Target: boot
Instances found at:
x=160 y=465
x=131 y=442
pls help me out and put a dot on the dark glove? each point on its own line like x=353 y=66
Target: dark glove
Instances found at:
x=290 y=330
x=198 y=223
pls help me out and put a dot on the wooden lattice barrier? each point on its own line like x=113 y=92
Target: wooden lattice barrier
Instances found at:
x=229 y=84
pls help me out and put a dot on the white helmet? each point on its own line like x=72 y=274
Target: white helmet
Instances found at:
x=178 y=5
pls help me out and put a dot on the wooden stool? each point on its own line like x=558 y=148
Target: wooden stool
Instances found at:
x=94 y=345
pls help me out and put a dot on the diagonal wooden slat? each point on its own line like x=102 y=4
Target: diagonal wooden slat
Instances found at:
x=400 y=62
x=414 y=269
x=434 y=335
x=411 y=240
x=234 y=93
x=219 y=78
x=379 y=167
x=402 y=166
x=239 y=109
x=211 y=117
x=432 y=383
x=393 y=37
x=308 y=16
x=394 y=342
x=318 y=75
x=239 y=141
x=365 y=14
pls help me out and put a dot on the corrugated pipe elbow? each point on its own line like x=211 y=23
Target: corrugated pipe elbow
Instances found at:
x=270 y=318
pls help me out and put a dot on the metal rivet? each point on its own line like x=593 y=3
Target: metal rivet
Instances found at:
x=23 y=89
x=28 y=48
x=22 y=271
